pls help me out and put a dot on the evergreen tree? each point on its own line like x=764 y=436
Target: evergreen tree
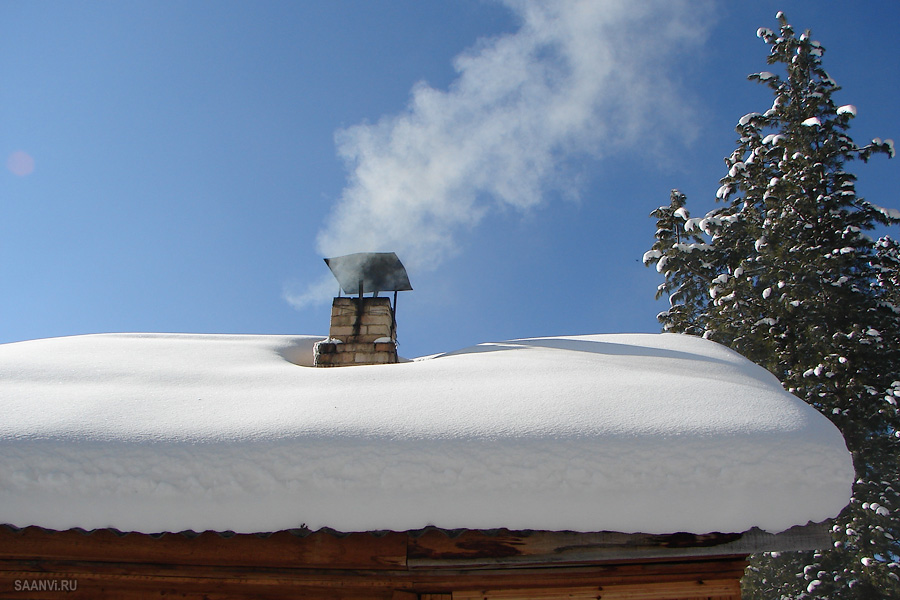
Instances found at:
x=783 y=272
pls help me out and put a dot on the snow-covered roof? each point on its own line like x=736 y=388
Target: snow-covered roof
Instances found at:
x=631 y=433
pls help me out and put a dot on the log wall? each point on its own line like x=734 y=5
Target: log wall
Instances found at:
x=427 y=565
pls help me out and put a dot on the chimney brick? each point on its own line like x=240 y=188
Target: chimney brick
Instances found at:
x=358 y=334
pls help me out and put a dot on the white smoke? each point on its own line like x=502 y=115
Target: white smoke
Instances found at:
x=578 y=78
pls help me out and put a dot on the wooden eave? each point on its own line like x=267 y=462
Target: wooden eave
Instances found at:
x=431 y=564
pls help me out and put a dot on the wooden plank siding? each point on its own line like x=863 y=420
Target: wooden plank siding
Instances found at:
x=725 y=589
x=431 y=564
x=720 y=581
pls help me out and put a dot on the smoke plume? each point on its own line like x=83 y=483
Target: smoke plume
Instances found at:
x=578 y=78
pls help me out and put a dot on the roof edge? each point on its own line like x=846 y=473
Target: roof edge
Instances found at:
x=429 y=548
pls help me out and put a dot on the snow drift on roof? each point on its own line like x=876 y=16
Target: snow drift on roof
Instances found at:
x=630 y=433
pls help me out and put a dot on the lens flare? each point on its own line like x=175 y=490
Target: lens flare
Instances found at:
x=20 y=163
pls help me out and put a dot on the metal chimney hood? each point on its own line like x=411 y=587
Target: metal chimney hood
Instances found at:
x=366 y=272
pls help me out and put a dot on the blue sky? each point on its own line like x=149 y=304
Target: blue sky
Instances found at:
x=193 y=162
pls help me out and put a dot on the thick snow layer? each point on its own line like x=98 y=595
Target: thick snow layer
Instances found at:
x=170 y=432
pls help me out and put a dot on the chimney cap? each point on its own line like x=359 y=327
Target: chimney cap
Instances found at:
x=378 y=272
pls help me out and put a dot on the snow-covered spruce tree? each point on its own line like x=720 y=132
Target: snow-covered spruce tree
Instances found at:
x=783 y=272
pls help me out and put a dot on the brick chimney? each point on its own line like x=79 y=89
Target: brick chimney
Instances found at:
x=363 y=329
x=362 y=333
